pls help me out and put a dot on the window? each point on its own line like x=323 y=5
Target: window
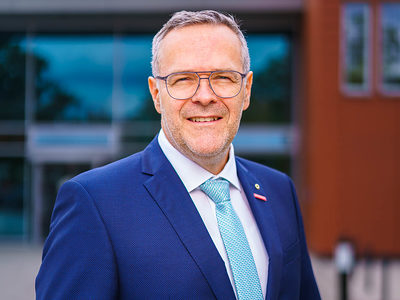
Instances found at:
x=12 y=77
x=390 y=48
x=53 y=176
x=265 y=133
x=73 y=78
x=135 y=100
x=11 y=196
x=356 y=54
x=270 y=56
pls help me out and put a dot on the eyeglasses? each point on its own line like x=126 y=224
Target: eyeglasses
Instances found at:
x=184 y=85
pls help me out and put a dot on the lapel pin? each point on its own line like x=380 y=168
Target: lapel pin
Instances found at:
x=260 y=197
x=257 y=186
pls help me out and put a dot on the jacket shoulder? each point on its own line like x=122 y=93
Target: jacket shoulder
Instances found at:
x=261 y=170
x=127 y=167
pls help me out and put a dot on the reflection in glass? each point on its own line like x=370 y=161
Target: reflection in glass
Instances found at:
x=356 y=56
x=134 y=98
x=54 y=175
x=12 y=77
x=271 y=94
x=271 y=98
x=11 y=196
x=390 y=22
x=73 y=78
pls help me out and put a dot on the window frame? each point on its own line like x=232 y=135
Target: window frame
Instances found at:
x=352 y=90
x=382 y=87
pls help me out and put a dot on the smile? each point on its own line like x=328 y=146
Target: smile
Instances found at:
x=204 y=119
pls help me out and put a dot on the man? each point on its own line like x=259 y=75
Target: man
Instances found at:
x=185 y=218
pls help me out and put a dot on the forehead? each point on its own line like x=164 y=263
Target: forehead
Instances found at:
x=200 y=47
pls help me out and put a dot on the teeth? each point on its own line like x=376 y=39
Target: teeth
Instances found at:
x=204 y=119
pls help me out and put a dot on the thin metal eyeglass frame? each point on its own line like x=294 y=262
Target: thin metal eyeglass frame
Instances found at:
x=200 y=78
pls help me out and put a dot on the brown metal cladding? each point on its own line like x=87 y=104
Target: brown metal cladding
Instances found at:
x=351 y=145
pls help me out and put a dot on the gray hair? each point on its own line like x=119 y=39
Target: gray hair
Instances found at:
x=186 y=18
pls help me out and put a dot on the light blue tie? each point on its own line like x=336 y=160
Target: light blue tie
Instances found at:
x=239 y=254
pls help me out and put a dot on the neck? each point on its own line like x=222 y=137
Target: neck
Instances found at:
x=213 y=164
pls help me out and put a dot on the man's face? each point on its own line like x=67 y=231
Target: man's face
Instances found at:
x=202 y=127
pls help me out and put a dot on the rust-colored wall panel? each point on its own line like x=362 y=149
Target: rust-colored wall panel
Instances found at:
x=368 y=181
x=350 y=147
x=320 y=125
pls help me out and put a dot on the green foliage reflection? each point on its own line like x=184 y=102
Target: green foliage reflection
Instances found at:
x=271 y=93
x=12 y=78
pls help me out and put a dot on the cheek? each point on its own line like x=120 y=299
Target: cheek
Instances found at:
x=236 y=111
x=170 y=111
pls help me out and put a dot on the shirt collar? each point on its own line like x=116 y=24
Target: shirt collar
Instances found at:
x=186 y=168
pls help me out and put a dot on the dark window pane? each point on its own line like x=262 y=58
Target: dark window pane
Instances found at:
x=54 y=175
x=265 y=134
x=12 y=77
x=271 y=94
x=73 y=78
x=390 y=22
x=11 y=196
x=355 y=40
x=135 y=99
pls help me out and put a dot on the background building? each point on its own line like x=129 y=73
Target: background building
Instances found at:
x=351 y=133
x=325 y=106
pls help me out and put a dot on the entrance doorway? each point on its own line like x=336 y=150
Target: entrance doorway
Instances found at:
x=48 y=178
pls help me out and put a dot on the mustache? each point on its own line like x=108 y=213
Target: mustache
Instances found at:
x=209 y=110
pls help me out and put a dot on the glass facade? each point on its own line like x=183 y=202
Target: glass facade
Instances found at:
x=54 y=175
x=11 y=196
x=271 y=93
x=12 y=76
x=136 y=102
x=73 y=78
x=68 y=85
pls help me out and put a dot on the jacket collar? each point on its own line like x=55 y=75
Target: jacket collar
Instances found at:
x=171 y=196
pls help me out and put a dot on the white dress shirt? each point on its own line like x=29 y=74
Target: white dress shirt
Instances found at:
x=186 y=168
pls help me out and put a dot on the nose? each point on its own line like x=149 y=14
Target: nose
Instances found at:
x=204 y=94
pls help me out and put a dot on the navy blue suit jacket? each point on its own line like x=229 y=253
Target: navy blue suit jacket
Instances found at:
x=130 y=230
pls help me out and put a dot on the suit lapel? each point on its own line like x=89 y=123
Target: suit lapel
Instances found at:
x=263 y=213
x=171 y=196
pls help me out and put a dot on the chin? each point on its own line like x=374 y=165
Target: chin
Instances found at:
x=209 y=151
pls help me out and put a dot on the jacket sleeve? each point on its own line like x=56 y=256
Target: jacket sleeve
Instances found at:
x=78 y=260
x=308 y=285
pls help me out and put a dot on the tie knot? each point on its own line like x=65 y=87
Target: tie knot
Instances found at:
x=216 y=189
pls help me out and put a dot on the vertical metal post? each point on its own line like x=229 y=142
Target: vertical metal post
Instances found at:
x=29 y=176
x=343 y=286
x=385 y=279
x=37 y=176
x=344 y=260
x=117 y=102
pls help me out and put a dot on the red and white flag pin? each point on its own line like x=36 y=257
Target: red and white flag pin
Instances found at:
x=260 y=197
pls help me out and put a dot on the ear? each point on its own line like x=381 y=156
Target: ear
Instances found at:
x=247 y=90
x=155 y=93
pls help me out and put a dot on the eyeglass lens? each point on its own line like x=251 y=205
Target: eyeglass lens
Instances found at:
x=184 y=85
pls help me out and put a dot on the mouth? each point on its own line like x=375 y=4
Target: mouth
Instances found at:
x=204 y=119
